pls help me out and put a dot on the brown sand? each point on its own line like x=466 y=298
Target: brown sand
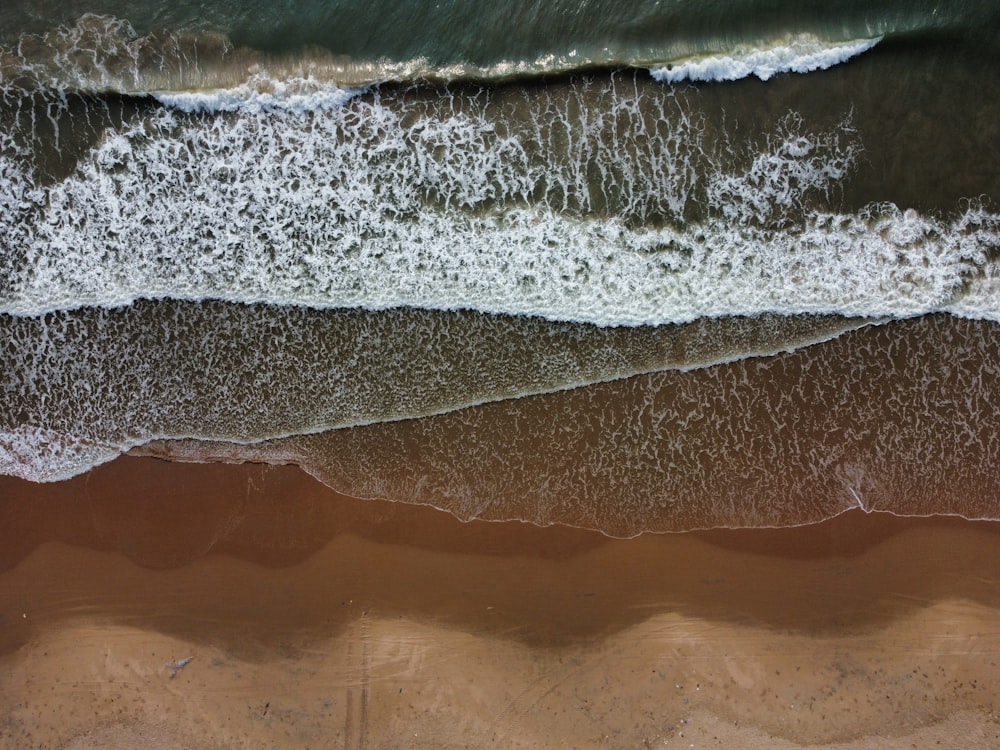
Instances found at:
x=317 y=621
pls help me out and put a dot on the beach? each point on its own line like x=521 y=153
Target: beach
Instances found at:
x=568 y=374
x=312 y=619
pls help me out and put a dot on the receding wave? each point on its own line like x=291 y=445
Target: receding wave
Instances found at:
x=80 y=387
x=897 y=418
x=604 y=202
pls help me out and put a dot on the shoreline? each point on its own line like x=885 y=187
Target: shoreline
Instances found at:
x=166 y=513
x=315 y=618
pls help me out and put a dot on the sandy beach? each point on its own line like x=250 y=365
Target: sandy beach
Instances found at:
x=534 y=375
x=313 y=620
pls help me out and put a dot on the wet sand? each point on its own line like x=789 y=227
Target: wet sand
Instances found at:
x=316 y=620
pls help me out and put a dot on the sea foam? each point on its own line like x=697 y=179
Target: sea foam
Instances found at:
x=261 y=93
x=446 y=203
x=39 y=454
x=801 y=54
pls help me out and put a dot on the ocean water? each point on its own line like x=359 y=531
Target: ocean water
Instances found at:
x=630 y=266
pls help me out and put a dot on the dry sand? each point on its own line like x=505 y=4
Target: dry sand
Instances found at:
x=318 y=621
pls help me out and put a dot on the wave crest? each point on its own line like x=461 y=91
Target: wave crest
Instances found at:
x=804 y=53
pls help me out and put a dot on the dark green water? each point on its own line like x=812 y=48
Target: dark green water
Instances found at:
x=459 y=32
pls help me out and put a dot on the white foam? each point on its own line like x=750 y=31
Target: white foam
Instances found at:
x=43 y=455
x=374 y=206
x=801 y=54
x=981 y=297
x=261 y=93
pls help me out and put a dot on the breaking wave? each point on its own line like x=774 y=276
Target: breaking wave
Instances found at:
x=802 y=54
x=460 y=202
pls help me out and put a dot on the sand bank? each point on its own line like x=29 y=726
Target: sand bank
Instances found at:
x=315 y=620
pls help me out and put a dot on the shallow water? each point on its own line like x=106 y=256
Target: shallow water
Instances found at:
x=896 y=418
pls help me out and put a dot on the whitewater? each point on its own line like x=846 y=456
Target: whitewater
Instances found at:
x=450 y=205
